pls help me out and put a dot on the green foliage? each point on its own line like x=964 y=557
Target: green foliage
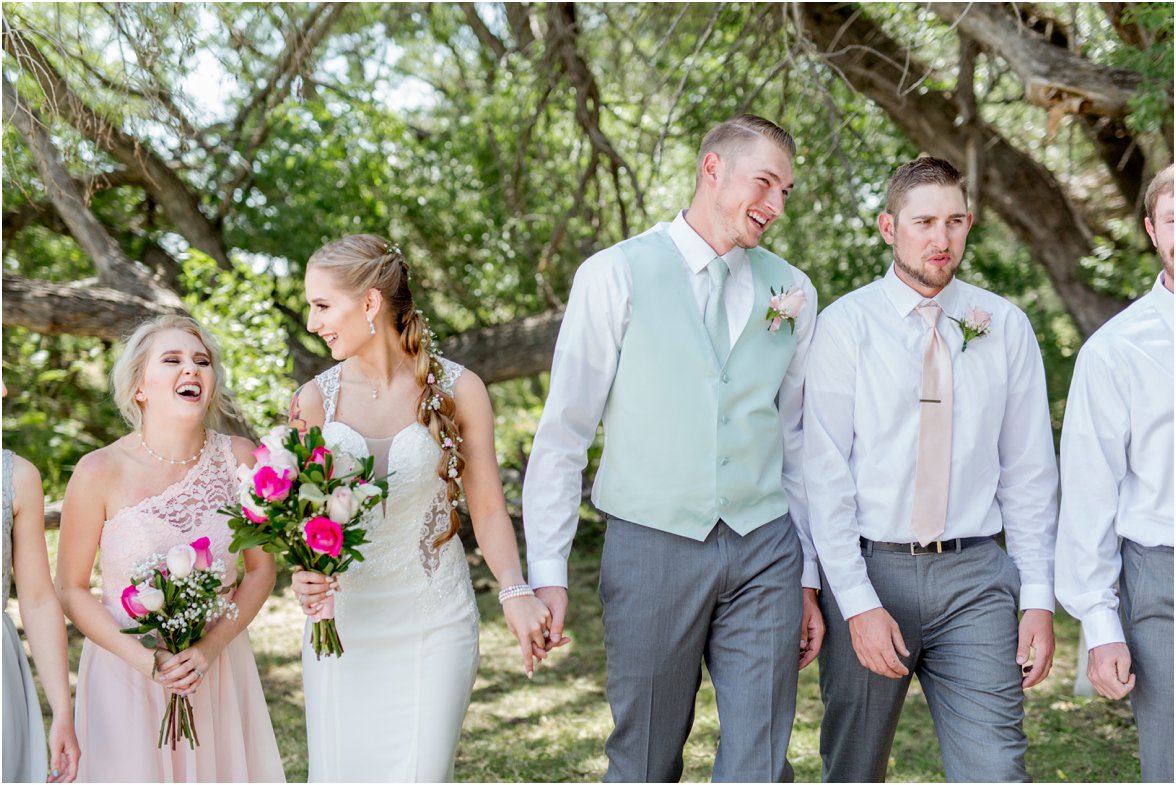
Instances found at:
x=1151 y=106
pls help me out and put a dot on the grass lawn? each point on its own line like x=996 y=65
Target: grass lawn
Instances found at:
x=553 y=727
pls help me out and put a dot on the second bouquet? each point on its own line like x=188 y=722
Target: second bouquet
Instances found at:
x=307 y=503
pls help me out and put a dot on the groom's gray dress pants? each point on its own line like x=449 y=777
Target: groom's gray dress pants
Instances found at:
x=958 y=616
x=1145 y=591
x=670 y=602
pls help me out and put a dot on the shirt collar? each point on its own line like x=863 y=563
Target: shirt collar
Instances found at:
x=697 y=251
x=1163 y=300
x=905 y=299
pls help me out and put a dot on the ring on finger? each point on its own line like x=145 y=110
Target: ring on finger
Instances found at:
x=199 y=673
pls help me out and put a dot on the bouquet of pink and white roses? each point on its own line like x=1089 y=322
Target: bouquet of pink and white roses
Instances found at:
x=307 y=503
x=173 y=597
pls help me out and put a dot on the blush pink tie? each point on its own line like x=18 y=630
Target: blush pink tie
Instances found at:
x=933 y=466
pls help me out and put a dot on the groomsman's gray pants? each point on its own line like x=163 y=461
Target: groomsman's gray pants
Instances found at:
x=669 y=602
x=1145 y=592
x=958 y=617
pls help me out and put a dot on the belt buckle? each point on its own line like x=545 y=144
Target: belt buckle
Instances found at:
x=923 y=550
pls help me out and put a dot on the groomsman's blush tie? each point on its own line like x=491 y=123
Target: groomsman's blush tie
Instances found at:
x=715 y=316
x=933 y=465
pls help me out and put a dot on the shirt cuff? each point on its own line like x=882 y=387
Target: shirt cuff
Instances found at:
x=547 y=572
x=1101 y=627
x=857 y=600
x=1037 y=596
x=810 y=577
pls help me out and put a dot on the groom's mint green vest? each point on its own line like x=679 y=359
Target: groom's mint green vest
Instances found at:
x=688 y=441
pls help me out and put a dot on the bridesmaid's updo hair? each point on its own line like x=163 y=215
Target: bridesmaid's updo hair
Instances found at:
x=361 y=262
x=127 y=374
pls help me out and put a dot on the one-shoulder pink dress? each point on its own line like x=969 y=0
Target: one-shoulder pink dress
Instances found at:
x=119 y=709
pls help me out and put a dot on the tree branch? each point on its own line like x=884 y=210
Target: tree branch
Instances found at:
x=80 y=308
x=165 y=186
x=114 y=268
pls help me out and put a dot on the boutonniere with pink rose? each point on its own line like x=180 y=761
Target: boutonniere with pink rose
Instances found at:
x=975 y=324
x=172 y=598
x=784 y=307
x=307 y=503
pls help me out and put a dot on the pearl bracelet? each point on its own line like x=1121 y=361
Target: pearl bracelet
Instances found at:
x=518 y=590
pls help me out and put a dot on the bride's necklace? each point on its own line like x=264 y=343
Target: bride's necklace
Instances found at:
x=375 y=387
x=159 y=457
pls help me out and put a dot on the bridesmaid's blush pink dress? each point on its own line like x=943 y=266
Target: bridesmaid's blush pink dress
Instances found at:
x=118 y=708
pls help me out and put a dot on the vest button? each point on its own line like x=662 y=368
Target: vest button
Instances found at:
x=726 y=378
x=724 y=419
x=723 y=501
x=724 y=461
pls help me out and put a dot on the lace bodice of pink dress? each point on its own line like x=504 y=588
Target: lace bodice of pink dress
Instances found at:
x=118 y=708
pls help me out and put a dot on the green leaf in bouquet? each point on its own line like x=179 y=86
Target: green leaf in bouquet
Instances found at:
x=274 y=546
x=148 y=641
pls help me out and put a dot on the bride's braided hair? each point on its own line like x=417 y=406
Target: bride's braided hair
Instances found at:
x=365 y=261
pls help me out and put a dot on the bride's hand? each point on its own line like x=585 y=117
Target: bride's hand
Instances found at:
x=529 y=621
x=311 y=588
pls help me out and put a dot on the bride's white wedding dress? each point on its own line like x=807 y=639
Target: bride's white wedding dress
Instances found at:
x=391 y=708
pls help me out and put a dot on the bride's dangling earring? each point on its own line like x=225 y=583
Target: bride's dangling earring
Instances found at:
x=372 y=325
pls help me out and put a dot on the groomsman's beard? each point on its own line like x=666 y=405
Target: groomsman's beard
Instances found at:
x=931 y=277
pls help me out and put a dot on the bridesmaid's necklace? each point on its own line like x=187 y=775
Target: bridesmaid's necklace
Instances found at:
x=159 y=457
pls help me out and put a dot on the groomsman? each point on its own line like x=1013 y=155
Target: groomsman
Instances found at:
x=927 y=432
x=707 y=546
x=1116 y=518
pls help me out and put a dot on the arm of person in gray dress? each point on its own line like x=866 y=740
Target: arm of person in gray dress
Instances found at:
x=830 y=387
x=40 y=612
x=1094 y=462
x=791 y=404
x=582 y=372
x=184 y=671
x=1027 y=493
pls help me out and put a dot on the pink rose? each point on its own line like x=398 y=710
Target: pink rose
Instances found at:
x=131 y=604
x=203 y=553
x=319 y=456
x=261 y=454
x=789 y=303
x=775 y=325
x=324 y=535
x=270 y=485
x=978 y=319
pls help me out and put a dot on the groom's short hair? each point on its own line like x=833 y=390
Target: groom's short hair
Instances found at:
x=731 y=136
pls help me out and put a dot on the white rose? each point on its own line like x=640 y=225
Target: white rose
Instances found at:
x=275 y=440
x=180 y=561
x=346 y=464
x=150 y=597
x=282 y=459
x=251 y=504
x=244 y=476
x=341 y=505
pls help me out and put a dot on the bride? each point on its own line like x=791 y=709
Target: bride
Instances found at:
x=391 y=708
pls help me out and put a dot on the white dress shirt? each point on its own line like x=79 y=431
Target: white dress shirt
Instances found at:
x=861 y=430
x=1116 y=459
x=582 y=371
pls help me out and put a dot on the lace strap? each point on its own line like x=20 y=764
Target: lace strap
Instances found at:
x=328 y=384
x=450 y=371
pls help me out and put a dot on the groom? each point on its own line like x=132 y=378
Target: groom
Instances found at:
x=707 y=546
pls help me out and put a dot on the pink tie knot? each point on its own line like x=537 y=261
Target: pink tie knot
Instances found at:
x=930 y=311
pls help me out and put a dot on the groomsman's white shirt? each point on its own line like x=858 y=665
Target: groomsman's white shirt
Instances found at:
x=582 y=372
x=1116 y=459
x=861 y=424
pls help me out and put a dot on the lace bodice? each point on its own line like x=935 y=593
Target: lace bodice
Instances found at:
x=7 y=526
x=181 y=513
x=417 y=510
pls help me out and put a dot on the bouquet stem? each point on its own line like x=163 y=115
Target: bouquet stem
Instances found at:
x=178 y=722
x=325 y=639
